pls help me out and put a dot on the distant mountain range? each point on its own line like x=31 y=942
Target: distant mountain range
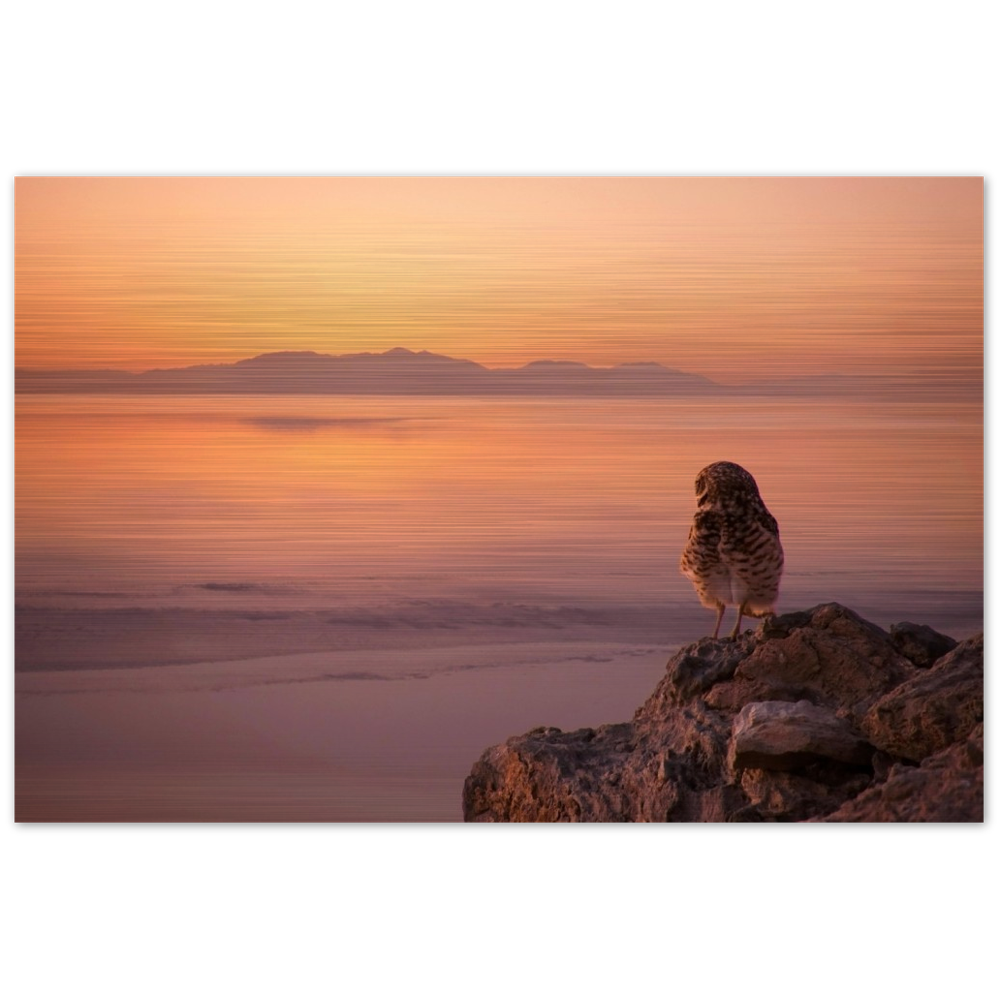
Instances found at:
x=421 y=373
x=396 y=372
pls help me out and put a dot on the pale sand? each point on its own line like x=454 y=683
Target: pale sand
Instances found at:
x=342 y=736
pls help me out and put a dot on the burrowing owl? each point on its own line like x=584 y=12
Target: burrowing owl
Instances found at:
x=733 y=555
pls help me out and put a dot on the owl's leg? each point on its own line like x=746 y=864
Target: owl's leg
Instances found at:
x=718 y=621
x=740 y=611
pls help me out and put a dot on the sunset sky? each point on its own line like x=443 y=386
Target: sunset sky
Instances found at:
x=734 y=278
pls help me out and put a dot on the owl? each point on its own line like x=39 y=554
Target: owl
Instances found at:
x=732 y=555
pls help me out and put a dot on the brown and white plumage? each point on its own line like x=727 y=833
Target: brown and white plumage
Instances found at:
x=733 y=554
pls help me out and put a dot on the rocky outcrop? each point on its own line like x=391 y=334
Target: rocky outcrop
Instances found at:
x=816 y=715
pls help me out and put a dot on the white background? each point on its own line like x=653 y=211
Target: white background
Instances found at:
x=856 y=87
x=494 y=919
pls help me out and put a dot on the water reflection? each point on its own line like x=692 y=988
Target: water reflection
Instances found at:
x=266 y=546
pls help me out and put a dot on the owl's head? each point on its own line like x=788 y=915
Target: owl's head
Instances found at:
x=724 y=480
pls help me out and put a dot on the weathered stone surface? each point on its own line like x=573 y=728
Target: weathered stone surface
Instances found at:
x=723 y=705
x=700 y=666
x=791 y=797
x=946 y=788
x=837 y=659
x=920 y=644
x=783 y=735
x=611 y=774
x=934 y=709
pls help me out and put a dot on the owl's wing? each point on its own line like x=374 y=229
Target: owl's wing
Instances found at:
x=706 y=523
x=702 y=549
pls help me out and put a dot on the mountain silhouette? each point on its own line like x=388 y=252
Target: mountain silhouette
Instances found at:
x=395 y=372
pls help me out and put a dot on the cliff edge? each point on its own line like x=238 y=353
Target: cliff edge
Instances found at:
x=816 y=715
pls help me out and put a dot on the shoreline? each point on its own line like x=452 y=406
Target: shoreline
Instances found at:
x=268 y=740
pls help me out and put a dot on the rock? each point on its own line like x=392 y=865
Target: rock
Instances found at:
x=932 y=710
x=837 y=659
x=946 y=788
x=612 y=774
x=702 y=665
x=783 y=735
x=781 y=724
x=785 y=796
x=551 y=777
x=920 y=644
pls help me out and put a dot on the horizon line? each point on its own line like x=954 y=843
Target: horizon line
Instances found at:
x=836 y=381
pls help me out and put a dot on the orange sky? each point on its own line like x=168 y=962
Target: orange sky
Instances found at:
x=734 y=278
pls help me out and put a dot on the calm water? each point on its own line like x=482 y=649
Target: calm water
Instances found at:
x=404 y=581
